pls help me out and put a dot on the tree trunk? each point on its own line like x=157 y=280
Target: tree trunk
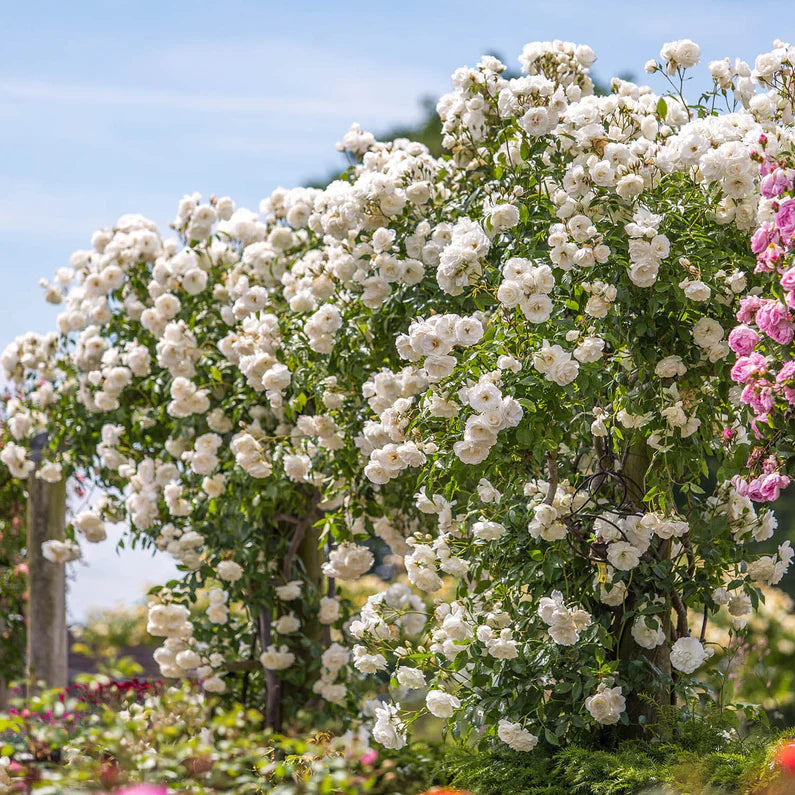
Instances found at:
x=634 y=471
x=46 y=609
x=312 y=558
x=273 y=685
x=659 y=693
x=650 y=709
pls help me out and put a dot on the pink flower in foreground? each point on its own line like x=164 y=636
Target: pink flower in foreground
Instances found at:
x=369 y=757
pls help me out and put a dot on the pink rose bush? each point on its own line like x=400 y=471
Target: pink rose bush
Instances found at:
x=765 y=367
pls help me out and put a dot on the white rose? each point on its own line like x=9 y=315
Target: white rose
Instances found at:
x=286 y=624
x=329 y=610
x=274 y=659
x=441 y=704
x=629 y=185
x=670 y=367
x=213 y=684
x=503 y=216
x=564 y=371
x=623 y=556
x=645 y=636
x=606 y=705
x=487 y=492
x=410 y=678
x=335 y=657
x=515 y=737
x=229 y=570
x=644 y=274
x=388 y=729
x=60 y=551
x=589 y=350
x=707 y=332
x=487 y=531
x=367 y=663
x=290 y=591
x=537 y=308
x=348 y=561
x=687 y=654
x=510 y=293
x=696 y=290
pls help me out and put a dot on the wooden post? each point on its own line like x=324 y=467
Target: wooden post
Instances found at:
x=46 y=608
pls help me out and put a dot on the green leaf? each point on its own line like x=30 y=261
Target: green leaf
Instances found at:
x=550 y=737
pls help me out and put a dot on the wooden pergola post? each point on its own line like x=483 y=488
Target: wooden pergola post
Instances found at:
x=47 y=649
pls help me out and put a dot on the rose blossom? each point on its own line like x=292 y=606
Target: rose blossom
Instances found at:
x=743 y=339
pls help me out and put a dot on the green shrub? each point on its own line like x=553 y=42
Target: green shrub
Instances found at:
x=179 y=737
x=634 y=767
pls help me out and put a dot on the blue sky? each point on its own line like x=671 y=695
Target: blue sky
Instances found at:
x=114 y=107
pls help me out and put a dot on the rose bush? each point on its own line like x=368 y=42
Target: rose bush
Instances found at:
x=509 y=364
x=573 y=373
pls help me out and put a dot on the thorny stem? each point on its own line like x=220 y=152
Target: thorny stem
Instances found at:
x=704 y=624
x=682 y=629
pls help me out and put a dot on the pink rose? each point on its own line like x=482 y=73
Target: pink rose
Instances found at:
x=774 y=319
x=742 y=340
x=754 y=490
x=788 y=279
x=762 y=238
x=771 y=486
x=785 y=220
x=775 y=183
x=782 y=334
x=768 y=260
x=749 y=306
x=759 y=396
x=787 y=372
x=746 y=367
x=771 y=313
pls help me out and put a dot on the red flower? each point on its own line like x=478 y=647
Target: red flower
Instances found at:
x=785 y=758
x=446 y=791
